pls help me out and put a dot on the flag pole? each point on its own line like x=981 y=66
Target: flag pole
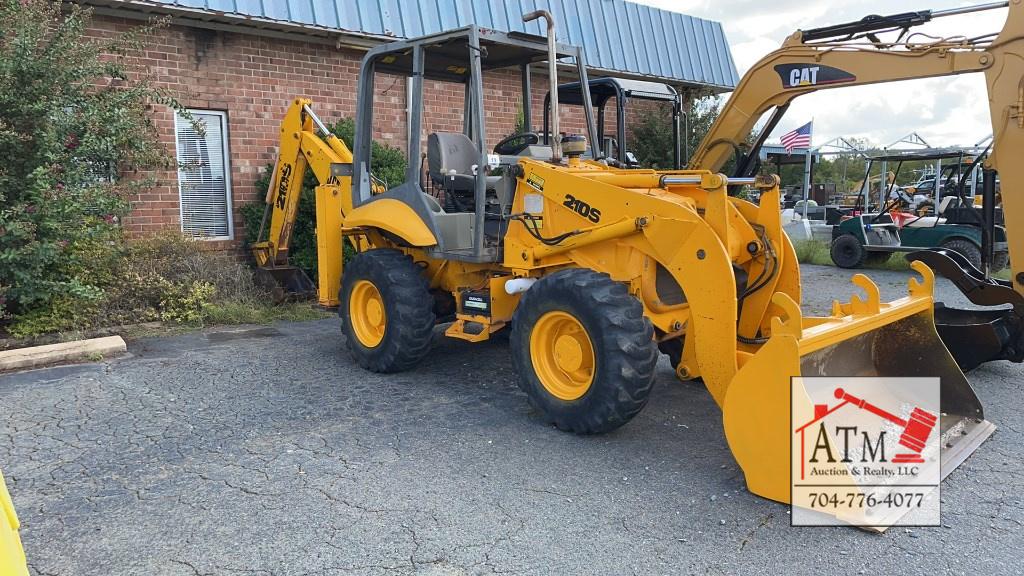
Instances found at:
x=807 y=170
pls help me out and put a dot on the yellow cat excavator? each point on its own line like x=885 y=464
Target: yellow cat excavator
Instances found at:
x=853 y=54
x=594 y=268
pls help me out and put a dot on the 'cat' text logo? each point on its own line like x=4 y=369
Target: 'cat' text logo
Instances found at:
x=801 y=76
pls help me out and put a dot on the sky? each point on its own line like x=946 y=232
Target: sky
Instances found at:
x=946 y=111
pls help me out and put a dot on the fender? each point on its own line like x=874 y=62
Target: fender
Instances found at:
x=395 y=217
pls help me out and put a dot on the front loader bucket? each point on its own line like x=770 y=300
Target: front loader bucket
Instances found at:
x=861 y=338
x=285 y=283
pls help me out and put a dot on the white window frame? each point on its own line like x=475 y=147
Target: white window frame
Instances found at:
x=226 y=151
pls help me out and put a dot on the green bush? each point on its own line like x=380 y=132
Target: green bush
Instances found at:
x=71 y=119
x=165 y=277
x=75 y=113
x=388 y=163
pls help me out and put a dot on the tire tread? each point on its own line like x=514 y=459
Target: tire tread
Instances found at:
x=408 y=306
x=626 y=348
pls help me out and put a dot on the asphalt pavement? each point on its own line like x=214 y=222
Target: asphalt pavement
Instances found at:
x=266 y=451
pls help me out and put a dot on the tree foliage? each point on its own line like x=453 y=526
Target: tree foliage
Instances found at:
x=74 y=113
x=651 y=131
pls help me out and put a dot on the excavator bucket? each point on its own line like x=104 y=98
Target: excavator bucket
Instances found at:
x=285 y=283
x=864 y=337
x=976 y=336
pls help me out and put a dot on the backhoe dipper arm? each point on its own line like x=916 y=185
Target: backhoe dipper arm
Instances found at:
x=305 y=142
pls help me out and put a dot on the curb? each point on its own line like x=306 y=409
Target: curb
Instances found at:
x=35 y=356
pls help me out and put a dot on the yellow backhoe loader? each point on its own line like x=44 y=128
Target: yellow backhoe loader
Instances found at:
x=592 y=267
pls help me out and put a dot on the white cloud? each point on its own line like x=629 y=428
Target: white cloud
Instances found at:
x=945 y=111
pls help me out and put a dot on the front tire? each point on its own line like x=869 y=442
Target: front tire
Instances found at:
x=848 y=252
x=386 y=311
x=584 y=351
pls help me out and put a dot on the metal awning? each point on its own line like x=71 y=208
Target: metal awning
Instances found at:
x=619 y=38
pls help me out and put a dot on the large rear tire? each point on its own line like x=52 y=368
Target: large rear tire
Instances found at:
x=848 y=252
x=386 y=311
x=584 y=351
x=965 y=248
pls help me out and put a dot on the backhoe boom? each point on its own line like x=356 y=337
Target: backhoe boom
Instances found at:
x=305 y=143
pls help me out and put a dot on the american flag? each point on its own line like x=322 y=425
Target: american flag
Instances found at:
x=799 y=138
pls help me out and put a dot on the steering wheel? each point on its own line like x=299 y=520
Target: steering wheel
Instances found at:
x=516 y=143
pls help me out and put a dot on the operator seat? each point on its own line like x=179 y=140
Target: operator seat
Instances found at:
x=947 y=201
x=450 y=160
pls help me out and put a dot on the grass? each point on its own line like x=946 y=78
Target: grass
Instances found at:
x=246 y=313
x=816 y=252
x=220 y=314
x=812 y=252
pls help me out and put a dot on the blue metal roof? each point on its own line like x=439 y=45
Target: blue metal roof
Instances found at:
x=617 y=36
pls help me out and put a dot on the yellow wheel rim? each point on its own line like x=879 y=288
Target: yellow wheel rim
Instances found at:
x=366 y=313
x=563 y=355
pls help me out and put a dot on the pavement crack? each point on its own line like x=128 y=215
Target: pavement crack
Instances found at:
x=764 y=522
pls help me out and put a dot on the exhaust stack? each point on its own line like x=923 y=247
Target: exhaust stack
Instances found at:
x=556 y=138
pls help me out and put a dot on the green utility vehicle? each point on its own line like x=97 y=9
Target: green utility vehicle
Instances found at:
x=957 y=224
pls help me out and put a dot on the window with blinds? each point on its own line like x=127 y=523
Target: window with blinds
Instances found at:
x=204 y=175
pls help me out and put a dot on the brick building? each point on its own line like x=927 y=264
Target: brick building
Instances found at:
x=236 y=64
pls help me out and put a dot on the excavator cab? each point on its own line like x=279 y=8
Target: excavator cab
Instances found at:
x=613 y=100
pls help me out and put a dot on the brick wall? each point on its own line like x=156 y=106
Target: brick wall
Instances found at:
x=253 y=78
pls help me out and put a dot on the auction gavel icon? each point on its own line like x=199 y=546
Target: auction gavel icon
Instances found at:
x=915 y=430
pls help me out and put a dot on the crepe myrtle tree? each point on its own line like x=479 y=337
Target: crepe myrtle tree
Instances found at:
x=75 y=113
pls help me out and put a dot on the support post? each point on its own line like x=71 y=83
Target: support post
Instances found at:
x=807 y=179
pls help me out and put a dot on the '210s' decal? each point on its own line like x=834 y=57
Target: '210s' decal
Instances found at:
x=582 y=208
x=802 y=75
